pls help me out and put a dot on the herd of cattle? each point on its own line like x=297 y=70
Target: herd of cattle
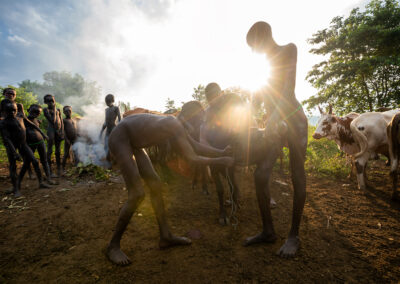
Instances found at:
x=363 y=136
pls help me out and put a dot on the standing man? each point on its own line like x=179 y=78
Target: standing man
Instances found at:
x=286 y=120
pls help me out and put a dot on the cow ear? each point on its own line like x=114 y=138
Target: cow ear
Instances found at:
x=320 y=110
x=330 y=109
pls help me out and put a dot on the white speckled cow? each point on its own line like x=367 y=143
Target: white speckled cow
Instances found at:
x=393 y=132
x=337 y=128
x=369 y=131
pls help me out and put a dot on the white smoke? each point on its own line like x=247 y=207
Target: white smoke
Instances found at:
x=89 y=147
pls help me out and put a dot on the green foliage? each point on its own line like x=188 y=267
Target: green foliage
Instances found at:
x=67 y=89
x=323 y=158
x=99 y=173
x=199 y=94
x=124 y=107
x=169 y=104
x=361 y=70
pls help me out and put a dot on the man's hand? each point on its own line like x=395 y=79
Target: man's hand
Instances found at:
x=228 y=151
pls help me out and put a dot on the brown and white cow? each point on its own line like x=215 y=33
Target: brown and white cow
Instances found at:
x=337 y=128
x=370 y=132
x=393 y=133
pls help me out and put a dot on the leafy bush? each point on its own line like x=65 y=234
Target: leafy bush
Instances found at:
x=323 y=157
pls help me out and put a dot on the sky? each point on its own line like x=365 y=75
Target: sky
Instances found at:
x=145 y=51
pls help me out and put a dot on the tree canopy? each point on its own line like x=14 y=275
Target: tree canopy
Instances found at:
x=67 y=89
x=361 y=71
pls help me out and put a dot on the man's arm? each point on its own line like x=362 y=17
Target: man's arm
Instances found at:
x=207 y=150
x=28 y=122
x=102 y=129
x=5 y=134
x=119 y=114
x=48 y=117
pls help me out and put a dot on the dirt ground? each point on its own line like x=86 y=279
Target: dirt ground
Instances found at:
x=59 y=235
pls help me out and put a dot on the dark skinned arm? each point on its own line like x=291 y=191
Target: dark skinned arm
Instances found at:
x=49 y=118
x=28 y=122
x=102 y=129
x=206 y=150
x=5 y=134
x=118 y=114
x=62 y=123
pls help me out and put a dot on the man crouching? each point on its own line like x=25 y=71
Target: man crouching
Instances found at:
x=126 y=143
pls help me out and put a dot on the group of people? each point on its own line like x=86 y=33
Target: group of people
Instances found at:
x=286 y=121
x=125 y=143
x=22 y=136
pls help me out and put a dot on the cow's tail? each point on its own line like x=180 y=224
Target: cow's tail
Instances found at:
x=359 y=137
x=393 y=133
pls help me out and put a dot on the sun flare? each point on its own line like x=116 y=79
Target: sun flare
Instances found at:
x=255 y=71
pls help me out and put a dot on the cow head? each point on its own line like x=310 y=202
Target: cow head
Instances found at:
x=327 y=124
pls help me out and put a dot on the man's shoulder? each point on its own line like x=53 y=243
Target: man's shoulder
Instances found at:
x=290 y=48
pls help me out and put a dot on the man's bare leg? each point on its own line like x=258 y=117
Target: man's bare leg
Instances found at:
x=167 y=239
x=262 y=177
x=297 y=148
x=130 y=173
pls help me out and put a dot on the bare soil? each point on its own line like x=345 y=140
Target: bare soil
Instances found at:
x=59 y=235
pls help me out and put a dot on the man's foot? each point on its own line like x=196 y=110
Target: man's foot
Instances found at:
x=174 y=241
x=116 y=256
x=289 y=248
x=43 y=185
x=17 y=193
x=260 y=238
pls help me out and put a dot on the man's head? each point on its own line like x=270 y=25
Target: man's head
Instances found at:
x=67 y=110
x=49 y=100
x=109 y=100
x=259 y=37
x=34 y=110
x=9 y=107
x=9 y=93
x=212 y=91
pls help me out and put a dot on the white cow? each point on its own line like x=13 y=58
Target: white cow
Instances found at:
x=369 y=131
x=337 y=128
x=393 y=132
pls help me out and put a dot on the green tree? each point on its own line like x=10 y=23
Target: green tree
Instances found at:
x=199 y=94
x=124 y=107
x=67 y=89
x=361 y=70
x=169 y=104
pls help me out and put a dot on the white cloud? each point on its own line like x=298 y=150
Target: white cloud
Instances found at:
x=19 y=40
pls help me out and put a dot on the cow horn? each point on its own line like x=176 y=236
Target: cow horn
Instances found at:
x=320 y=110
x=330 y=109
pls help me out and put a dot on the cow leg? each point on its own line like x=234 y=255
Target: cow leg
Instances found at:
x=361 y=163
x=215 y=173
x=393 y=173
